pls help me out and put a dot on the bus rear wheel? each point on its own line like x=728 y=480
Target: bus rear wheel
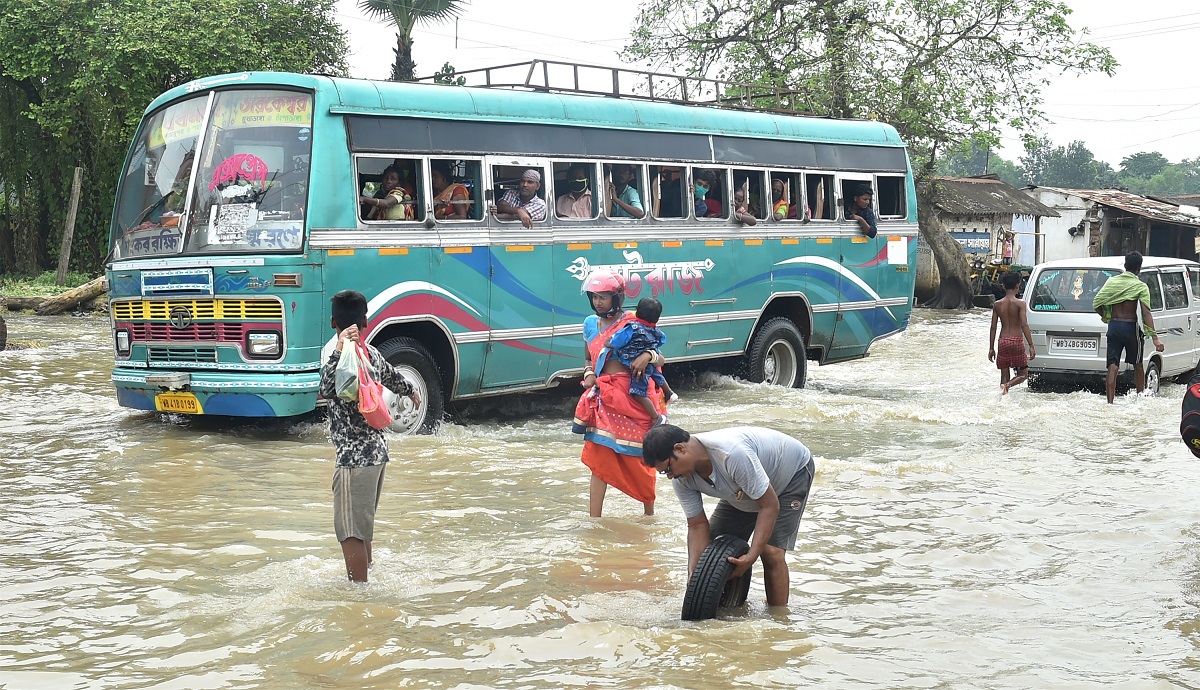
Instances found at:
x=417 y=366
x=777 y=355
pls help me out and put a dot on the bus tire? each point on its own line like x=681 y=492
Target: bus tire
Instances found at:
x=777 y=355
x=417 y=366
x=710 y=580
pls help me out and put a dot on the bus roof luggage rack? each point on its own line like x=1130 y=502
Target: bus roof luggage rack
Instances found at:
x=593 y=80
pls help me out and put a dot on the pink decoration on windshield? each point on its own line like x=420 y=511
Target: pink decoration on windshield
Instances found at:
x=243 y=166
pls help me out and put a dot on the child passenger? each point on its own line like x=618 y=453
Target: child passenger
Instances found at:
x=360 y=449
x=641 y=335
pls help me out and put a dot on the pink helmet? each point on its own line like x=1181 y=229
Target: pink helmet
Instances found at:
x=603 y=280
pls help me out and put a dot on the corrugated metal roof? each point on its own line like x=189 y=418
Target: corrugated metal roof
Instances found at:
x=1136 y=204
x=985 y=196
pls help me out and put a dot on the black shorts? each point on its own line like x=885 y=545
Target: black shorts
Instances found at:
x=1124 y=336
x=729 y=520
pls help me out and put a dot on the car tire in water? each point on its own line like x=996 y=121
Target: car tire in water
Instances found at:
x=777 y=355
x=710 y=586
x=417 y=366
x=1153 y=377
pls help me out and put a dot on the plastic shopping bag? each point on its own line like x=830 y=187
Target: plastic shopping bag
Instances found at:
x=370 y=394
x=345 y=375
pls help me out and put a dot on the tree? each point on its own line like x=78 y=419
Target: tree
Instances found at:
x=75 y=76
x=405 y=15
x=1072 y=166
x=941 y=71
x=1143 y=164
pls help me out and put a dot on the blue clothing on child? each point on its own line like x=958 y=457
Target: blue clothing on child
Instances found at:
x=633 y=339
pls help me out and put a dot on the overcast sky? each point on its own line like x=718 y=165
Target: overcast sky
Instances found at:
x=1151 y=104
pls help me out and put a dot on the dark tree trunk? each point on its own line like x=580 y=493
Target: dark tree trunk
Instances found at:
x=954 y=292
x=3 y=334
x=404 y=69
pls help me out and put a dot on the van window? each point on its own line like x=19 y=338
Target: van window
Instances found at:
x=1174 y=290
x=1069 y=289
x=1156 y=296
x=1194 y=275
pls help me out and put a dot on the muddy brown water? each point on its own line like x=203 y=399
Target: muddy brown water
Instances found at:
x=954 y=539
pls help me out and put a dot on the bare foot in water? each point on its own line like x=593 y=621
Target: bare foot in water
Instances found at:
x=1004 y=389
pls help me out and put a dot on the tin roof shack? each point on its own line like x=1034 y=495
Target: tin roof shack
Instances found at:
x=1113 y=223
x=977 y=211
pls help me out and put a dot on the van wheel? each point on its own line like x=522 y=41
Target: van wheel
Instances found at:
x=417 y=366
x=710 y=580
x=777 y=355
x=1153 y=377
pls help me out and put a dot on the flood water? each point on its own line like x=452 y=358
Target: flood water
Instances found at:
x=954 y=539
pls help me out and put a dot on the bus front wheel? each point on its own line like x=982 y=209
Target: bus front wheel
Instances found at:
x=777 y=355
x=417 y=366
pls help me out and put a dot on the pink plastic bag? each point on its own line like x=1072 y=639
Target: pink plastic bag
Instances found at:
x=370 y=394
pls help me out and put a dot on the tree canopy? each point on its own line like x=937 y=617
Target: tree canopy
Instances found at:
x=941 y=71
x=75 y=77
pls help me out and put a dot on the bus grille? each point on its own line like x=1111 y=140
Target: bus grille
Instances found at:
x=183 y=354
x=160 y=309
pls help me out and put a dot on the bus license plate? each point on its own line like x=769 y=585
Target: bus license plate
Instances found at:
x=1074 y=344
x=182 y=403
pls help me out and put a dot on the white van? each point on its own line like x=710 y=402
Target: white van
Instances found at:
x=1070 y=338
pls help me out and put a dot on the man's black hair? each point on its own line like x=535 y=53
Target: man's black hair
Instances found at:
x=659 y=443
x=349 y=309
x=863 y=189
x=1133 y=262
x=1010 y=279
x=649 y=309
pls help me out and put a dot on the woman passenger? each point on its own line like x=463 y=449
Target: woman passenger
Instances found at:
x=451 y=200
x=390 y=201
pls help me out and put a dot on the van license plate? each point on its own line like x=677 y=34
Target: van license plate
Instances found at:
x=1076 y=345
x=182 y=403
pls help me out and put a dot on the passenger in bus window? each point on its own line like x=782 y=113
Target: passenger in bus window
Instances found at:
x=741 y=212
x=860 y=211
x=624 y=200
x=779 y=204
x=670 y=194
x=704 y=182
x=524 y=205
x=451 y=200
x=391 y=201
x=577 y=202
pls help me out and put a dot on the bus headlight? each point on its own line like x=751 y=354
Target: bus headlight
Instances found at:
x=122 y=342
x=262 y=344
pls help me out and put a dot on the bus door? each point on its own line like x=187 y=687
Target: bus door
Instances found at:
x=520 y=309
x=854 y=328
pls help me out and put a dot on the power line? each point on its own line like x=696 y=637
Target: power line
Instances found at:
x=1148 y=21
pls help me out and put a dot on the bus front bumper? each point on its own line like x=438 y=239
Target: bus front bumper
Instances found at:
x=208 y=393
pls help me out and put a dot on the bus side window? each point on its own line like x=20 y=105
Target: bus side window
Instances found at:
x=715 y=201
x=507 y=185
x=623 y=195
x=389 y=189
x=889 y=194
x=456 y=186
x=748 y=187
x=575 y=194
x=786 y=200
x=819 y=193
x=667 y=192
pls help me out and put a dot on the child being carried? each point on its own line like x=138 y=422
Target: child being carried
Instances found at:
x=642 y=335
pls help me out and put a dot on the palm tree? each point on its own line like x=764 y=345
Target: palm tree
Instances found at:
x=405 y=14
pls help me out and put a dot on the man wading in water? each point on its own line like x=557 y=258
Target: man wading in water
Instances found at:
x=1117 y=304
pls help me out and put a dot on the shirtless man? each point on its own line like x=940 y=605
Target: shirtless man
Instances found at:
x=1117 y=304
x=1014 y=333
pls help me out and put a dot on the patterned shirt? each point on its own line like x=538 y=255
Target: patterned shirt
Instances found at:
x=355 y=442
x=535 y=207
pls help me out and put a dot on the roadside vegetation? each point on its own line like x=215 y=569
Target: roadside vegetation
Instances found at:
x=42 y=285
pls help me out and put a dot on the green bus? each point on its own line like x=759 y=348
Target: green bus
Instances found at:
x=247 y=200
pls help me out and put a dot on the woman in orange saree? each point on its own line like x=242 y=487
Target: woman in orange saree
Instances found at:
x=611 y=421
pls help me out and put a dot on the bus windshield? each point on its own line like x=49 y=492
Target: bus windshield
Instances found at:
x=246 y=190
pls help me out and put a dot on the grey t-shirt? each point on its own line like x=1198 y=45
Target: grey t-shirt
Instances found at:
x=745 y=459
